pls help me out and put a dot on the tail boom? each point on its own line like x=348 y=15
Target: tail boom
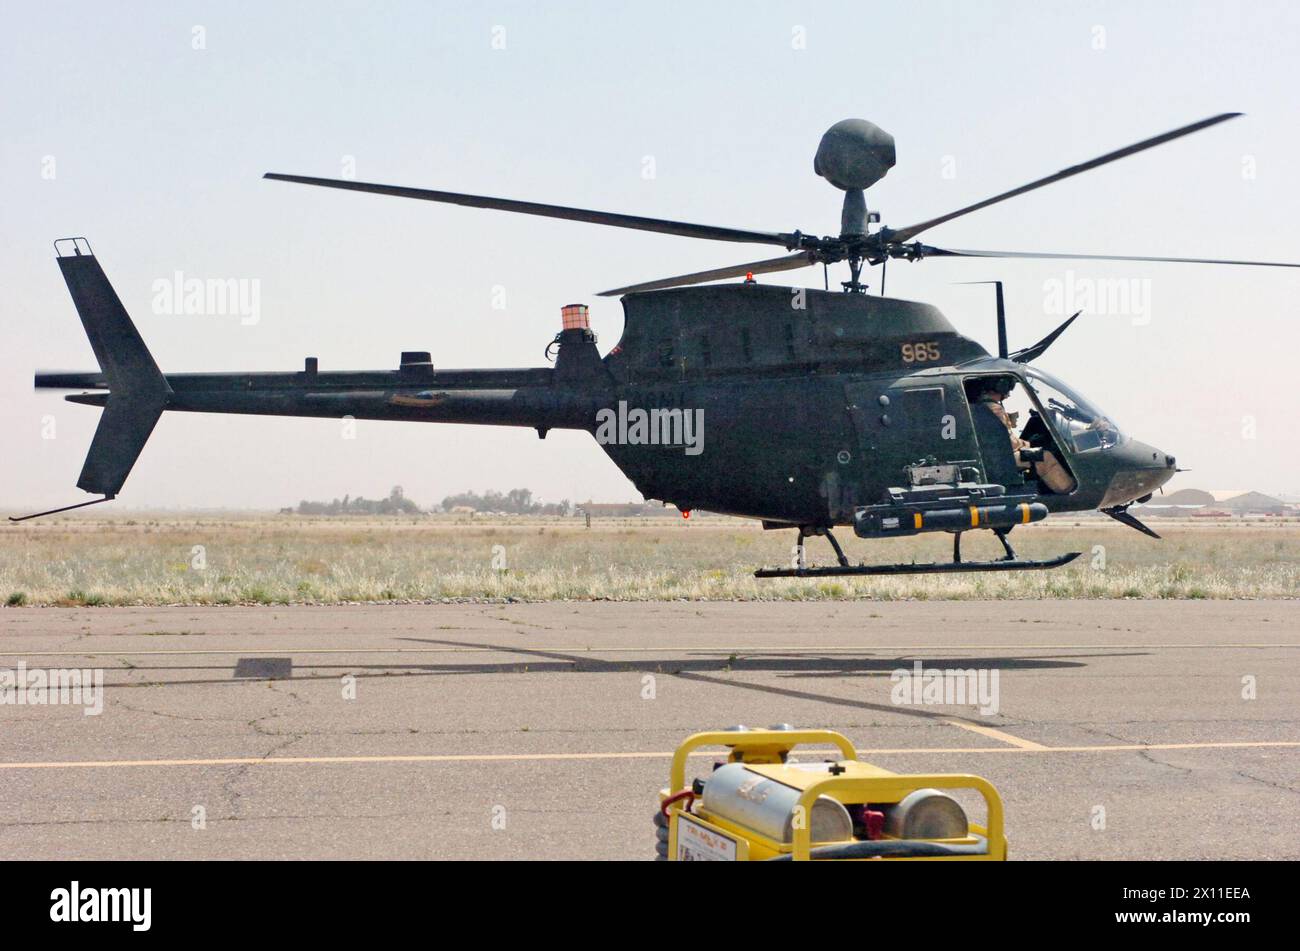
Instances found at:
x=134 y=393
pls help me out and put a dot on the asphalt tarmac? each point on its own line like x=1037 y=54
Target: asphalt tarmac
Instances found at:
x=1121 y=729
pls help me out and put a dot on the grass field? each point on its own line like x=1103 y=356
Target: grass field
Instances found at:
x=232 y=559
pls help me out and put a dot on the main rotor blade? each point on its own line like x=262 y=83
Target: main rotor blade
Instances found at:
x=928 y=251
x=793 y=262
x=680 y=228
x=906 y=234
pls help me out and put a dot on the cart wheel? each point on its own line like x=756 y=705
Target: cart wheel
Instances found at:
x=661 y=837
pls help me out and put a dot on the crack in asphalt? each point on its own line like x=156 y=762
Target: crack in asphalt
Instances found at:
x=1266 y=782
x=1142 y=754
x=119 y=705
x=238 y=773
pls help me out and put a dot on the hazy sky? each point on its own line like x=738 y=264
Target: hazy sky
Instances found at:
x=116 y=127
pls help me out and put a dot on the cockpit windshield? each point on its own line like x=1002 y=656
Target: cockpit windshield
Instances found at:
x=1075 y=420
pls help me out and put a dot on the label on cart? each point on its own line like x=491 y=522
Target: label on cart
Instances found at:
x=699 y=843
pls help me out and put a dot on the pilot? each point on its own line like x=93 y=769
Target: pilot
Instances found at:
x=1044 y=463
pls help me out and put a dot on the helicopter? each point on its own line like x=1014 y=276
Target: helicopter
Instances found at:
x=807 y=409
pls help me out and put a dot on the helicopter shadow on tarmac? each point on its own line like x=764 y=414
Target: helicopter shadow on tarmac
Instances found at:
x=707 y=669
x=710 y=669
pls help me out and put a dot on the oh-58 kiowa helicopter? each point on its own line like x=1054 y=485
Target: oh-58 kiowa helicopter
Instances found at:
x=807 y=409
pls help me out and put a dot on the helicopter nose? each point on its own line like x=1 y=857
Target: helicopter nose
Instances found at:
x=1139 y=470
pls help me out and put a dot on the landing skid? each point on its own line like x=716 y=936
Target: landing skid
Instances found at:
x=1009 y=563
x=931 y=568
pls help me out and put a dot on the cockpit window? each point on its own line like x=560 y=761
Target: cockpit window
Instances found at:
x=1077 y=421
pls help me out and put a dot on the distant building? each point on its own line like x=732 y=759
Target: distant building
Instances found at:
x=625 y=509
x=1223 y=503
x=1196 y=497
x=1182 y=503
x=1253 y=503
x=611 y=509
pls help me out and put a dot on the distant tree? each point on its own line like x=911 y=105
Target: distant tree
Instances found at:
x=516 y=502
x=395 y=504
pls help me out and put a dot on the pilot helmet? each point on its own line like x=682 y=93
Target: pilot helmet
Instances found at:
x=1002 y=384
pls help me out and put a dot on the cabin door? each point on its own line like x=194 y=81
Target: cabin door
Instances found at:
x=906 y=424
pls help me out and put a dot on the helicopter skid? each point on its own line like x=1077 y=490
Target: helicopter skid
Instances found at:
x=930 y=568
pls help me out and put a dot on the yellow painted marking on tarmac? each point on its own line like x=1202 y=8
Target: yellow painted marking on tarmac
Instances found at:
x=528 y=757
x=322 y=760
x=993 y=734
x=588 y=649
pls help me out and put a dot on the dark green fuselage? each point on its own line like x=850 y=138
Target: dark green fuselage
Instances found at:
x=808 y=404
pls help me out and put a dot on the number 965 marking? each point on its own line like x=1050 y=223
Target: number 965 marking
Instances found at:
x=920 y=352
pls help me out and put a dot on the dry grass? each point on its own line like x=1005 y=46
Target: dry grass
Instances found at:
x=139 y=559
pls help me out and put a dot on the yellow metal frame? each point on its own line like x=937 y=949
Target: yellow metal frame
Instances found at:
x=894 y=789
x=756 y=747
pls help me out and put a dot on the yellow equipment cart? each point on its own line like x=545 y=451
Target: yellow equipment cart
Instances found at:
x=760 y=806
